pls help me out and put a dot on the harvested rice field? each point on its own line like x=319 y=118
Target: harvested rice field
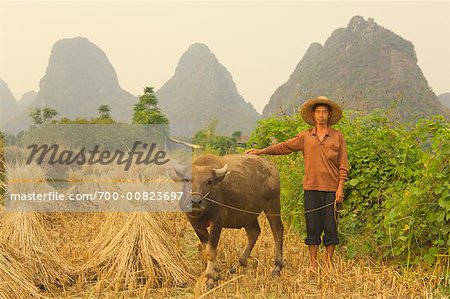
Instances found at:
x=157 y=255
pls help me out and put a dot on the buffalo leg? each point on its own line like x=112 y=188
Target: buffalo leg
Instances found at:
x=253 y=232
x=277 y=231
x=211 y=254
x=203 y=235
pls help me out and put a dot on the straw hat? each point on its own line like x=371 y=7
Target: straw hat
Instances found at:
x=308 y=106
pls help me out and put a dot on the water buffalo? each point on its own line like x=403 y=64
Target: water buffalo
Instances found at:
x=244 y=182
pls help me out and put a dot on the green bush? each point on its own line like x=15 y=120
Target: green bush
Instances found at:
x=213 y=143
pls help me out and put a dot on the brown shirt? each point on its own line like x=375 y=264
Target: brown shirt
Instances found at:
x=325 y=162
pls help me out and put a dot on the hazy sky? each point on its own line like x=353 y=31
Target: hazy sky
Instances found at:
x=260 y=43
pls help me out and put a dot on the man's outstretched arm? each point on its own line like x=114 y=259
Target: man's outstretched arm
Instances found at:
x=286 y=147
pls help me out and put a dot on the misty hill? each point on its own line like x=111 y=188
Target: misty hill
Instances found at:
x=363 y=66
x=80 y=78
x=200 y=90
x=26 y=100
x=445 y=99
x=8 y=103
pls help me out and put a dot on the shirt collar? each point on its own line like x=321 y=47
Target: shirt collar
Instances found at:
x=314 y=131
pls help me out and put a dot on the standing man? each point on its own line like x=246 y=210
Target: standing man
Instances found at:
x=326 y=169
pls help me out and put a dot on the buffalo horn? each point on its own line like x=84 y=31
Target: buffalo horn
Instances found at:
x=221 y=171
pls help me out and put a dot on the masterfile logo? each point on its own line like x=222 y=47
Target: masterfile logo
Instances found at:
x=145 y=156
x=117 y=167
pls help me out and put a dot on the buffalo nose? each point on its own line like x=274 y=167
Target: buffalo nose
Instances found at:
x=196 y=201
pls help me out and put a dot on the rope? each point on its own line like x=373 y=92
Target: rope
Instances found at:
x=256 y=213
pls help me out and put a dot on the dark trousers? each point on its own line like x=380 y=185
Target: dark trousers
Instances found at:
x=321 y=220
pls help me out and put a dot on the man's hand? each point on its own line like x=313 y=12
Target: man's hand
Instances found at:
x=340 y=194
x=253 y=151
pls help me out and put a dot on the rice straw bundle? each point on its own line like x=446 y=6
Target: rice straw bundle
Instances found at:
x=25 y=232
x=15 y=278
x=27 y=179
x=136 y=248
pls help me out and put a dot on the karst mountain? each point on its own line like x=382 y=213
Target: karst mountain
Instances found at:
x=363 y=66
x=80 y=78
x=202 y=90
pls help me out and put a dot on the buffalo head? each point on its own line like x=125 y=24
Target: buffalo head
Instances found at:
x=203 y=179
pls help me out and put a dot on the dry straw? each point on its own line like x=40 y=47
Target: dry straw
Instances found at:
x=15 y=278
x=136 y=248
x=26 y=232
x=130 y=254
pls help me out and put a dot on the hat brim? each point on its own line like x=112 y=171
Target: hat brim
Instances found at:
x=307 y=109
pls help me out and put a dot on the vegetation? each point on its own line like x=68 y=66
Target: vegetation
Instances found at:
x=397 y=204
x=104 y=111
x=146 y=111
x=217 y=144
x=46 y=114
x=42 y=116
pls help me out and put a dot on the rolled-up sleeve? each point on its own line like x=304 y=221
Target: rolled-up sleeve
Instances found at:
x=286 y=147
x=343 y=159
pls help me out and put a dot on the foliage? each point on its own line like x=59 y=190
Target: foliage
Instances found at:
x=236 y=135
x=84 y=121
x=45 y=115
x=146 y=111
x=104 y=118
x=418 y=214
x=397 y=204
x=104 y=111
x=42 y=116
x=213 y=143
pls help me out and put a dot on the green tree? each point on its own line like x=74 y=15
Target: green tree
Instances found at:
x=236 y=135
x=42 y=116
x=209 y=139
x=146 y=111
x=104 y=111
